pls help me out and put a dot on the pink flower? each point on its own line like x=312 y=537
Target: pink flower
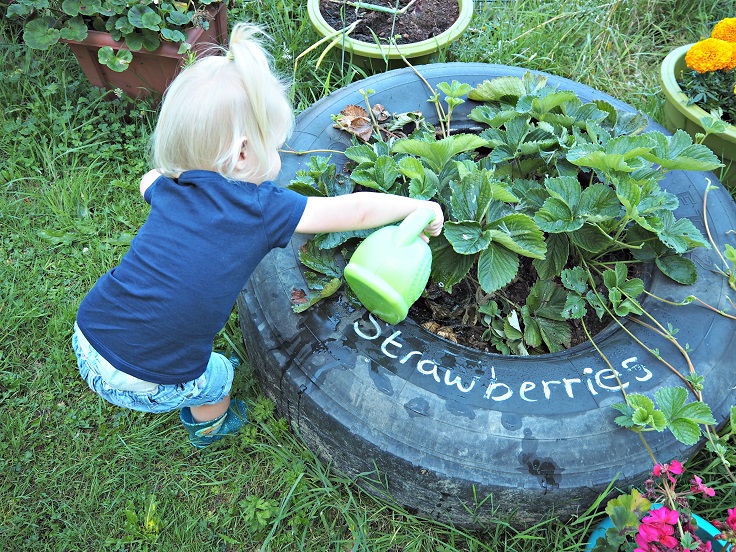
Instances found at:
x=657 y=527
x=731 y=519
x=696 y=486
x=673 y=467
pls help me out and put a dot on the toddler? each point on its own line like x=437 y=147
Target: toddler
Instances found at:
x=143 y=335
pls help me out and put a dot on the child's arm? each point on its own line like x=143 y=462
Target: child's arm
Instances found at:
x=148 y=179
x=363 y=210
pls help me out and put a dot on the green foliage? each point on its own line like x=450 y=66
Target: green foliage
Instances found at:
x=143 y=527
x=324 y=281
x=571 y=185
x=68 y=158
x=543 y=318
x=118 y=62
x=713 y=91
x=141 y=25
x=257 y=512
x=683 y=420
x=625 y=513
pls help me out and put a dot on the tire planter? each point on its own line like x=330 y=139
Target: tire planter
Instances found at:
x=372 y=58
x=678 y=114
x=452 y=433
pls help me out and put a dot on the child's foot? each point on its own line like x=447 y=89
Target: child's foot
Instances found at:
x=202 y=434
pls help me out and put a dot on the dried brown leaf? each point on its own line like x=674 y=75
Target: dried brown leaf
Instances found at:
x=298 y=296
x=361 y=127
x=352 y=110
x=442 y=331
x=380 y=113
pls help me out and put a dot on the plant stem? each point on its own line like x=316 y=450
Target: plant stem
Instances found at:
x=714 y=309
x=336 y=37
x=370 y=112
x=646 y=446
x=639 y=341
x=603 y=356
x=708 y=187
x=672 y=340
x=689 y=299
x=305 y=152
x=374 y=7
x=438 y=107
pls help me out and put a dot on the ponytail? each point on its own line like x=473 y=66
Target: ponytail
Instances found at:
x=271 y=111
x=216 y=102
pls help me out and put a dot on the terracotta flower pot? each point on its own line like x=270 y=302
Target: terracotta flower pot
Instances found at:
x=374 y=58
x=150 y=72
x=687 y=117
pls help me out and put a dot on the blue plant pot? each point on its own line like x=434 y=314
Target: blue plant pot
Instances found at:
x=706 y=531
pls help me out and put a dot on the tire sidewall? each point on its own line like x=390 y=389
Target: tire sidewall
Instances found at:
x=454 y=433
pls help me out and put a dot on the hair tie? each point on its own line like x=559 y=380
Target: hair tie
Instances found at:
x=230 y=56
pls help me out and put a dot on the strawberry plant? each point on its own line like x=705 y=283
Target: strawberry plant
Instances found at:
x=568 y=188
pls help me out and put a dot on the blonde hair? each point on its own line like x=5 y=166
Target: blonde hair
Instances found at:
x=215 y=103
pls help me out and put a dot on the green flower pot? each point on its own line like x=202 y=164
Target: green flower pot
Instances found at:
x=375 y=59
x=687 y=117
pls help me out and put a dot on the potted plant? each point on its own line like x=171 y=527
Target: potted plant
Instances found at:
x=533 y=171
x=699 y=83
x=381 y=54
x=662 y=518
x=137 y=47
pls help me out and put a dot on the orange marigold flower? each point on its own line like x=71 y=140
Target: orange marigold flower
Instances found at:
x=709 y=55
x=732 y=63
x=725 y=30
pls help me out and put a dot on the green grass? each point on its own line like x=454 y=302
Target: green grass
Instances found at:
x=79 y=474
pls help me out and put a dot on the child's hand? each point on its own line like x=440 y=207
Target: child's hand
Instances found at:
x=435 y=227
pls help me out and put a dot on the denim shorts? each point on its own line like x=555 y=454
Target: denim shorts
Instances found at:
x=209 y=388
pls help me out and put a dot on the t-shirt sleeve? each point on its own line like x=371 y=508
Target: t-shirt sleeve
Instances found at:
x=282 y=210
x=149 y=191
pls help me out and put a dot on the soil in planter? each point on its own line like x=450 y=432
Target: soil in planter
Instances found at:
x=424 y=19
x=453 y=316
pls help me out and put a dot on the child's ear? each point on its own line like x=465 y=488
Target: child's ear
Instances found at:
x=242 y=162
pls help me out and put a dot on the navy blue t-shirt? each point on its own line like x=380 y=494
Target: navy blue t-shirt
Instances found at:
x=155 y=315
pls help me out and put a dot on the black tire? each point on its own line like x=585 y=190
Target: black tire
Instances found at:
x=449 y=440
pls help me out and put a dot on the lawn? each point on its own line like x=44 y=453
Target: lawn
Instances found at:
x=79 y=474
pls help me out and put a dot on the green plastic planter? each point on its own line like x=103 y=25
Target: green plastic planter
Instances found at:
x=375 y=59
x=687 y=117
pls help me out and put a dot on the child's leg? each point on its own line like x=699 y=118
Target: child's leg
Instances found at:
x=218 y=416
x=203 y=433
x=209 y=412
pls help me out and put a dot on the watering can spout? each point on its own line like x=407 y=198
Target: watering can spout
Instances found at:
x=390 y=269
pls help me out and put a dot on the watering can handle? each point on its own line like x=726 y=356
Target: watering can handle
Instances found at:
x=412 y=226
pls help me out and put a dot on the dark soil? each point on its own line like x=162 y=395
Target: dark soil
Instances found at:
x=454 y=316
x=424 y=19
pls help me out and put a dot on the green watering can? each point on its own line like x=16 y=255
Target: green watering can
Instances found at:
x=390 y=269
